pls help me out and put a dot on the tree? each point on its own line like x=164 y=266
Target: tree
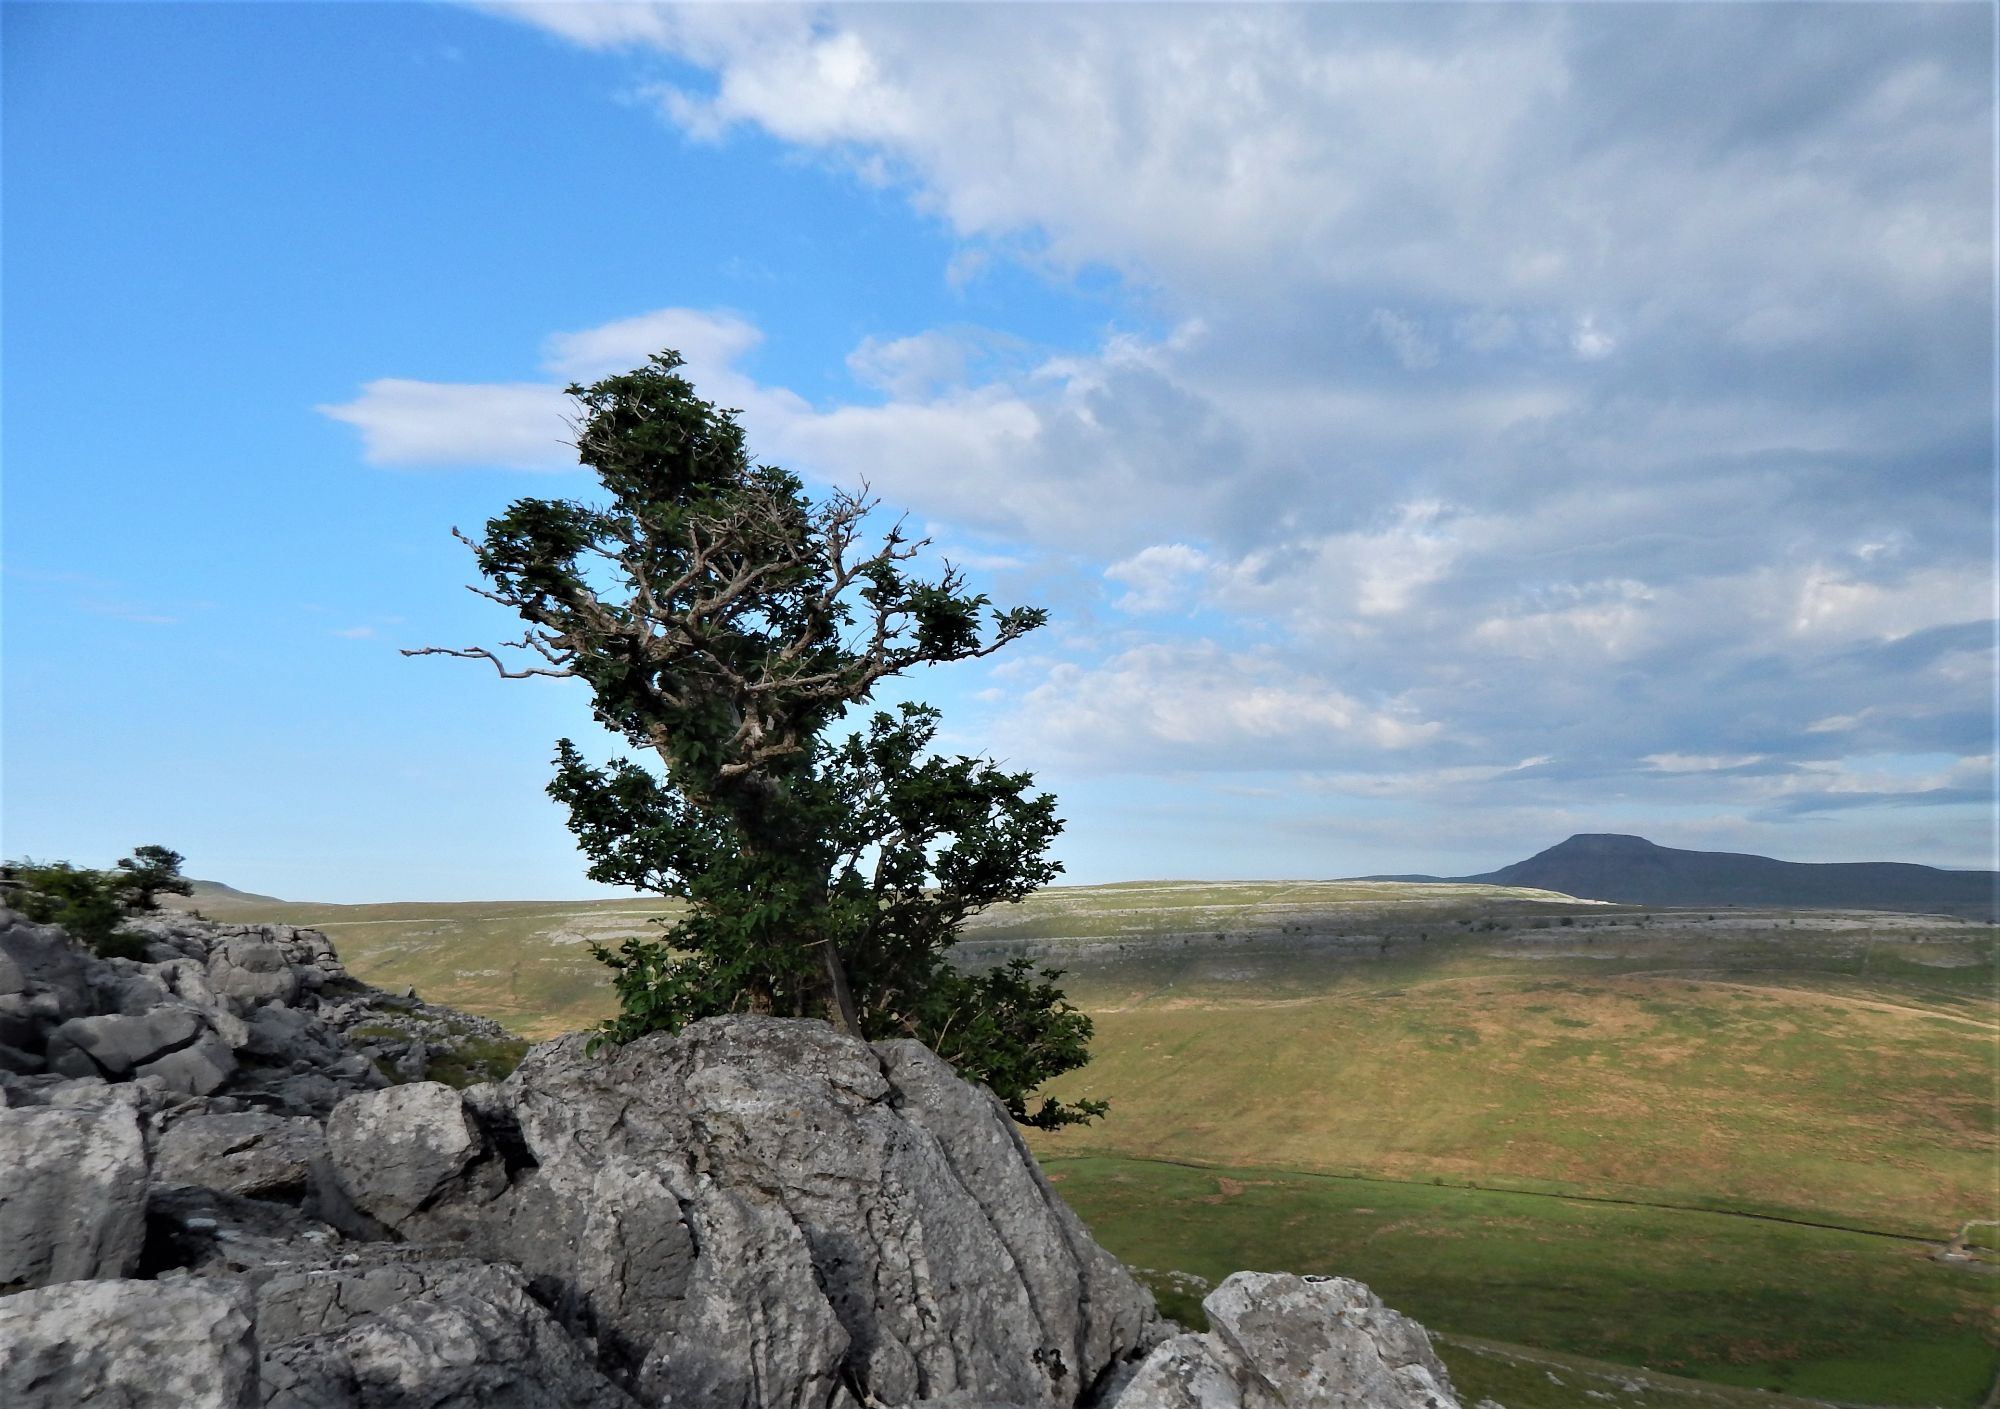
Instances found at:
x=92 y=904
x=725 y=624
x=150 y=872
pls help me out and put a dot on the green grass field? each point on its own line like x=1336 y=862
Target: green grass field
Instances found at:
x=1561 y=1134
x=1722 y=1298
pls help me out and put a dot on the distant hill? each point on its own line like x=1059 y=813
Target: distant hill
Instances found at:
x=1634 y=871
x=216 y=890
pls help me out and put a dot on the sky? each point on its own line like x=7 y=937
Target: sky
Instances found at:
x=1434 y=430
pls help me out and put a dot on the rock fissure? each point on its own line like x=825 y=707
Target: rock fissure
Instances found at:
x=755 y=1213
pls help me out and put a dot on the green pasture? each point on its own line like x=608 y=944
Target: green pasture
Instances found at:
x=1726 y=1299
x=1727 y=1071
x=525 y=964
x=1535 y=1123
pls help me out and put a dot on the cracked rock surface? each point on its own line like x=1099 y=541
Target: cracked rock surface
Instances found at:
x=215 y=1195
x=1277 y=1341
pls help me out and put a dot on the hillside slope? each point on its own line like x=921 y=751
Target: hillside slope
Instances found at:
x=1633 y=871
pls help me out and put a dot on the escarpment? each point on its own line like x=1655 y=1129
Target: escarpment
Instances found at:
x=219 y=1187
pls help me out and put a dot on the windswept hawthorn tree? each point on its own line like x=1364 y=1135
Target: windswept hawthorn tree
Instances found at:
x=725 y=624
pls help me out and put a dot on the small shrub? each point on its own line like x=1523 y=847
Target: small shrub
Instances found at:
x=91 y=905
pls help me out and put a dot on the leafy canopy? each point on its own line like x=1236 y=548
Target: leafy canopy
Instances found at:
x=92 y=904
x=725 y=624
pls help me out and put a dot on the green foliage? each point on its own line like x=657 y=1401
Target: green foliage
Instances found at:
x=150 y=872
x=726 y=624
x=92 y=904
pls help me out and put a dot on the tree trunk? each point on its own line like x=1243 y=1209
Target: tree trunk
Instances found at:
x=840 y=999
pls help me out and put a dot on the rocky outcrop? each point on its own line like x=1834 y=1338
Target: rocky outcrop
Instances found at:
x=128 y=1345
x=447 y=1335
x=245 y=1152
x=754 y=1213
x=72 y=1193
x=263 y=1017
x=1276 y=1341
x=762 y=1212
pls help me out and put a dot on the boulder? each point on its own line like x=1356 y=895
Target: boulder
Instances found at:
x=41 y=960
x=203 y=1066
x=251 y=1153
x=1277 y=1341
x=116 y=1044
x=402 y=1151
x=72 y=1193
x=759 y=1211
x=254 y=970
x=444 y=1335
x=128 y=1345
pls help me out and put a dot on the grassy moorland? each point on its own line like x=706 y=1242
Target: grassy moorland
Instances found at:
x=1598 y=1130
x=525 y=963
x=1574 y=1139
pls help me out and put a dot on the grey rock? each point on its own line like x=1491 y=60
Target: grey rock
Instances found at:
x=128 y=1345
x=415 y=1061
x=40 y=959
x=136 y=992
x=1277 y=1341
x=761 y=1211
x=404 y=1150
x=255 y=1154
x=448 y=1335
x=72 y=1193
x=256 y=970
x=217 y=1234
x=275 y=1032
x=117 y=1043
x=196 y=1070
x=20 y=1026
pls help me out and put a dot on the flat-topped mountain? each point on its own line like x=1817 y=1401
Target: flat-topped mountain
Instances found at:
x=1634 y=871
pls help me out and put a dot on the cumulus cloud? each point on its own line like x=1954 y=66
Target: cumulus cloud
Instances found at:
x=519 y=425
x=1157 y=578
x=1199 y=704
x=1518 y=405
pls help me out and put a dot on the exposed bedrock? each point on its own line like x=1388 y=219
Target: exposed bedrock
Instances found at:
x=214 y=1195
x=762 y=1212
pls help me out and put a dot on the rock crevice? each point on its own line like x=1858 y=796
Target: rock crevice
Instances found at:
x=252 y=1209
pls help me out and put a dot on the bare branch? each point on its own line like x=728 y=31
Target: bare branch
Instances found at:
x=481 y=653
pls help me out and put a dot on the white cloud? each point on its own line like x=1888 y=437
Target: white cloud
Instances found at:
x=1197 y=705
x=1552 y=414
x=520 y=425
x=1590 y=342
x=1158 y=578
x=709 y=342
x=910 y=368
x=1700 y=763
x=1404 y=338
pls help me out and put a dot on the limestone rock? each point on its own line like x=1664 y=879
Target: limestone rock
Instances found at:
x=255 y=970
x=39 y=961
x=116 y=1044
x=264 y=1156
x=1282 y=1342
x=127 y=1345
x=399 y=1152
x=72 y=1193
x=226 y=1235
x=203 y=1066
x=758 y=1211
x=444 y=1335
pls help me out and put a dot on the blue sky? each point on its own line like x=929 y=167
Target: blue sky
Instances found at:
x=1436 y=430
